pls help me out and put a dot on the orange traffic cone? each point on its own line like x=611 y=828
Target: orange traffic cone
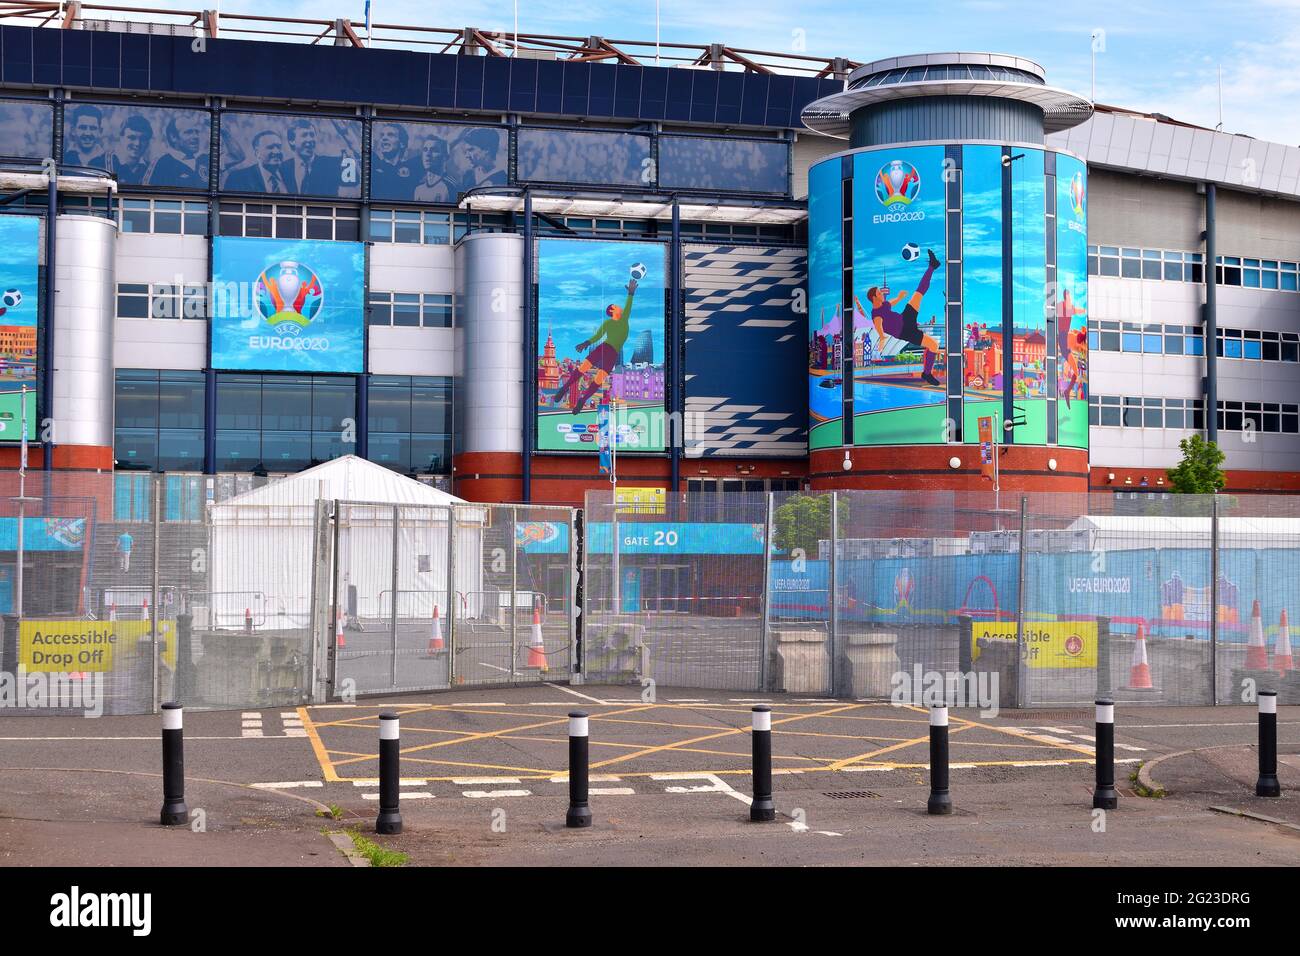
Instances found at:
x=1139 y=677
x=112 y=612
x=1282 y=659
x=435 y=633
x=536 y=649
x=339 y=639
x=1256 y=649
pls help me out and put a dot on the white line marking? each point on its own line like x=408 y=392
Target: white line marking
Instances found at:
x=570 y=690
x=295 y=732
x=611 y=791
x=287 y=784
x=250 y=714
x=251 y=732
x=480 y=794
x=1131 y=749
x=405 y=796
x=489 y=703
x=593 y=778
x=290 y=715
x=1043 y=763
x=404 y=782
x=1048 y=739
x=479 y=781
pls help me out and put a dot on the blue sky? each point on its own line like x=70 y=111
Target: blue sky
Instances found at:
x=1154 y=56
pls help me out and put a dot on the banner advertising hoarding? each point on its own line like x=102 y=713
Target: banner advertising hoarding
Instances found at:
x=435 y=162
x=277 y=153
x=600 y=324
x=899 y=296
x=140 y=145
x=20 y=311
x=825 y=325
x=1071 y=301
x=288 y=306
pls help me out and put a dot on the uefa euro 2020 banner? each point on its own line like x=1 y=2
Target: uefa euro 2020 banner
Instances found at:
x=600 y=332
x=288 y=306
x=20 y=310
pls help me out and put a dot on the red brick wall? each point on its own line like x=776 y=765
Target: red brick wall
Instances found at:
x=926 y=467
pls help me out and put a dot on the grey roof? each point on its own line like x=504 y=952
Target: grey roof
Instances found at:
x=1140 y=143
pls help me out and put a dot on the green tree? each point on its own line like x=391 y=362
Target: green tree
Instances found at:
x=1199 y=473
x=801 y=521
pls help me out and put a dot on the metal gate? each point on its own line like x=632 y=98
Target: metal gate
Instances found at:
x=426 y=597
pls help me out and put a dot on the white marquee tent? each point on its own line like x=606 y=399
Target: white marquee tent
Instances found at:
x=262 y=553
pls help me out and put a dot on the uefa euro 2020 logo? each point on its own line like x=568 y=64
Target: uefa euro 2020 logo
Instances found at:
x=289 y=297
x=1076 y=194
x=898 y=182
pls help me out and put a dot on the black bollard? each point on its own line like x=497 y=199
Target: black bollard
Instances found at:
x=1104 y=796
x=579 y=814
x=1268 y=785
x=940 y=802
x=174 y=811
x=390 y=758
x=762 y=809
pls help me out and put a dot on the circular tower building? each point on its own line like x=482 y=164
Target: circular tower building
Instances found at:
x=948 y=285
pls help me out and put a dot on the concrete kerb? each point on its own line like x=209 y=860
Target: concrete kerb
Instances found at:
x=1158 y=789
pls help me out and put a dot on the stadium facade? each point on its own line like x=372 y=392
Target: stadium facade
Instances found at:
x=268 y=253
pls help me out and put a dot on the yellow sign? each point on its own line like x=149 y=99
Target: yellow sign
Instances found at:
x=1047 y=643
x=640 y=501
x=87 y=646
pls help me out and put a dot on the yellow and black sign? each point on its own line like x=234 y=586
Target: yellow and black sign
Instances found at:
x=93 y=646
x=640 y=501
x=1047 y=643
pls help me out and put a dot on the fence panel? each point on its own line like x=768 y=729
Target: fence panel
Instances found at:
x=674 y=593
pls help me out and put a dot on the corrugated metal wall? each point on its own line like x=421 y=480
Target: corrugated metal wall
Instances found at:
x=950 y=118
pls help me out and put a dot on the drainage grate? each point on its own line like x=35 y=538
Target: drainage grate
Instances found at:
x=851 y=794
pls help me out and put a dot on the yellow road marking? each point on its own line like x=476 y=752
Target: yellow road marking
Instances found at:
x=322 y=757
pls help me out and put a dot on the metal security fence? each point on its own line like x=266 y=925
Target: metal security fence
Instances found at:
x=230 y=593
x=427 y=597
x=1031 y=600
x=675 y=590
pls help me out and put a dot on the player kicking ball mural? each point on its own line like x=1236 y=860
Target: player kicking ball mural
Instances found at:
x=903 y=327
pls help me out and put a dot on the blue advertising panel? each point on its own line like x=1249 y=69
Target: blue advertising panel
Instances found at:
x=20 y=311
x=288 y=306
x=825 y=325
x=981 y=239
x=435 y=162
x=600 y=305
x=141 y=145
x=584 y=156
x=1071 y=301
x=755 y=330
x=277 y=153
x=900 y=296
x=645 y=537
x=728 y=165
x=26 y=128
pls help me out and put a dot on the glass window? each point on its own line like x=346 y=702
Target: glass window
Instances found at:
x=406 y=309
x=1288 y=279
x=1131 y=267
x=1151 y=343
x=1152 y=413
x=158 y=420
x=281 y=422
x=410 y=421
x=1174 y=266
x=1110 y=340
x=1173 y=340
x=132 y=300
x=437 y=311
x=1132 y=413
x=1174 y=413
x=1151 y=264
x=1110 y=411
x=1132 y=342
x=1195 y=270
x=1196 y=344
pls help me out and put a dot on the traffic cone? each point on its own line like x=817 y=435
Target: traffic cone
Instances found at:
x=536 y=649
x=1282 y=660
x=248 y=620
x=112 y=612
x=1256 y=649
x=435 y=633
x=1139 y=675
x=339 y=639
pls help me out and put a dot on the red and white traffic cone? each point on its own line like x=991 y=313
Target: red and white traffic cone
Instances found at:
x=536 y=649
x=1139 y=675
x=112 y=612
x=248 y=620
x=339 y=639
x=435 y=633
x=1256 y=648
x=1282 y=659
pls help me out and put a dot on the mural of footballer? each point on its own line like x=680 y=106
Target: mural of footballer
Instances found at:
x=1071 y=347
x=606 y=355
x=903 y=325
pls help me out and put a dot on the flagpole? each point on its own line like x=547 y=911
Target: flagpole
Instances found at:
x=22 y=506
